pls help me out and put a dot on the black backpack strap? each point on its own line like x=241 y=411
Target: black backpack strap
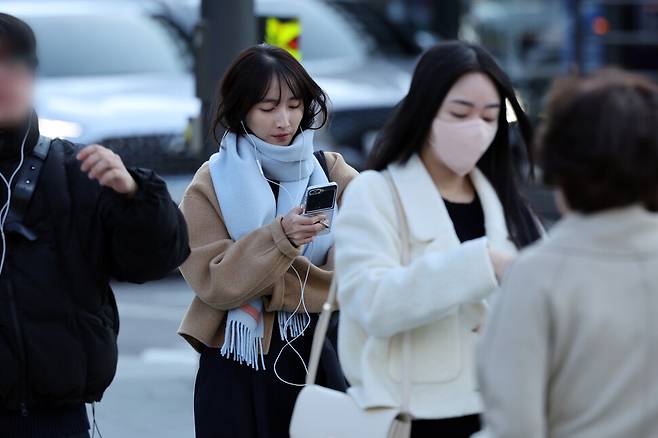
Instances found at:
x=26 y=184
x=322 y=159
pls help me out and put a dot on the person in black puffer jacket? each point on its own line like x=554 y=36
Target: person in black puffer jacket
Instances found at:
x=88 y=219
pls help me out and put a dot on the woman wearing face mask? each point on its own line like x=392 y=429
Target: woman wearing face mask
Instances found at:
x=446 y=155
x=258 y=264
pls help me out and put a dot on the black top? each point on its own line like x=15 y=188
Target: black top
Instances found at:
x=275 y=189
x=468 y=219
x=11 y=140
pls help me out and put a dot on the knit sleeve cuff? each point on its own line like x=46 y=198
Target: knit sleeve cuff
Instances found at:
x=281 y=240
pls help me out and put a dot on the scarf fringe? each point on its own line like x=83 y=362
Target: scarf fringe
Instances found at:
x=243 y=346
x=291 y=326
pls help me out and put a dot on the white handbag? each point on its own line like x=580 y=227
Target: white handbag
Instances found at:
x=325 y=413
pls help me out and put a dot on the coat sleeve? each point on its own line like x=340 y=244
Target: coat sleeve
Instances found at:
x=227 y=274
x=146 y=235
x=376 y=290
x=513 y=358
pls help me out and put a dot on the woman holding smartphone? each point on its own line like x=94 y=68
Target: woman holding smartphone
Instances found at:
x=259 y=266
x=446 y=154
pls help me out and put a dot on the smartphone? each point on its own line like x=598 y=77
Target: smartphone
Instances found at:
x=321 y=199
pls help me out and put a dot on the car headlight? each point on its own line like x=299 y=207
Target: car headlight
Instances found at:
x=59 y=128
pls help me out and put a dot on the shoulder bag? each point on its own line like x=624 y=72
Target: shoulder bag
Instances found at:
x=324 y=413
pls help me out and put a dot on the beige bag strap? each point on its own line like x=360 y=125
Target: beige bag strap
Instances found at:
x=331 y=304
x=321 y=333
x=405 y=259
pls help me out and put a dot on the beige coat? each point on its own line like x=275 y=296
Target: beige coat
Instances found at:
x=225 y=274
x=571 y=347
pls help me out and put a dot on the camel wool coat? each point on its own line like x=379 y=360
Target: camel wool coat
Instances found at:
x=225 y=274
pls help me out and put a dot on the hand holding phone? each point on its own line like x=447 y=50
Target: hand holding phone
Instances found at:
x=300 y=229
x=320 y=200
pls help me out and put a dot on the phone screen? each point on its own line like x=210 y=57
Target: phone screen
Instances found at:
x=321 y=198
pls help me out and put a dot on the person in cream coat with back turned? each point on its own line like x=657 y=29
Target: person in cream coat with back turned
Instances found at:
x=571 y=348
x=465 y=224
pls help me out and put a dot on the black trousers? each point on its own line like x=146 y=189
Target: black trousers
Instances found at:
x=53 y=422
x=236 y=401
x=460 y=427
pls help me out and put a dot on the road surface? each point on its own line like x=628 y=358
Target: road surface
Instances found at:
x=152 y=393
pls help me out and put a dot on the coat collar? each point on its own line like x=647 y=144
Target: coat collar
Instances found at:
x=426 y=211
x=618 y=231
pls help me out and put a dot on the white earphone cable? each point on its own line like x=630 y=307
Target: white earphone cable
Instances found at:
x=307 y=323
x=4 y=211
x=302 y=284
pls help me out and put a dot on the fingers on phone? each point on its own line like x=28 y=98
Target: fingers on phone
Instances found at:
x=310 y=230
x=312 y=220
x=306 y=220
x=304 y=241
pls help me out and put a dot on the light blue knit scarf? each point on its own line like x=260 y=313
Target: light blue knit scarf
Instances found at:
x=247 y=203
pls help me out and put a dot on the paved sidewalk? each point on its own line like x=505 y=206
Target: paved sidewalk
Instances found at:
x=152 y=394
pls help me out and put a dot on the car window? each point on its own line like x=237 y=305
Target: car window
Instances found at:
x=325 y=34
x=93 y=45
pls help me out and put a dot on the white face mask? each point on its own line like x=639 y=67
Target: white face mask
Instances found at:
x=460 y=145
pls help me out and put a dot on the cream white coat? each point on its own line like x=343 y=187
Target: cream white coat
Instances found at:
x=441 y=296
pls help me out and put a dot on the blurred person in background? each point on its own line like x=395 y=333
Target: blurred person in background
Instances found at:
x=447 y=153
x=258 y=265
x=571 y=348
x=71 y=219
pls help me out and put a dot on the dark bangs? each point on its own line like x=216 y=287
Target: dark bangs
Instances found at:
x=248 y=80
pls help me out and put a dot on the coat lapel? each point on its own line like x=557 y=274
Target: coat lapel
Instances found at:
x=618 y=231
x=426 y=212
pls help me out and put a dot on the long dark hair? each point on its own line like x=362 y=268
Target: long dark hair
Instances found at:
x=248 y=79
x=407 y=130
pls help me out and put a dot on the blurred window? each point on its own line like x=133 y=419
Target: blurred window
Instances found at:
x=94 y=45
